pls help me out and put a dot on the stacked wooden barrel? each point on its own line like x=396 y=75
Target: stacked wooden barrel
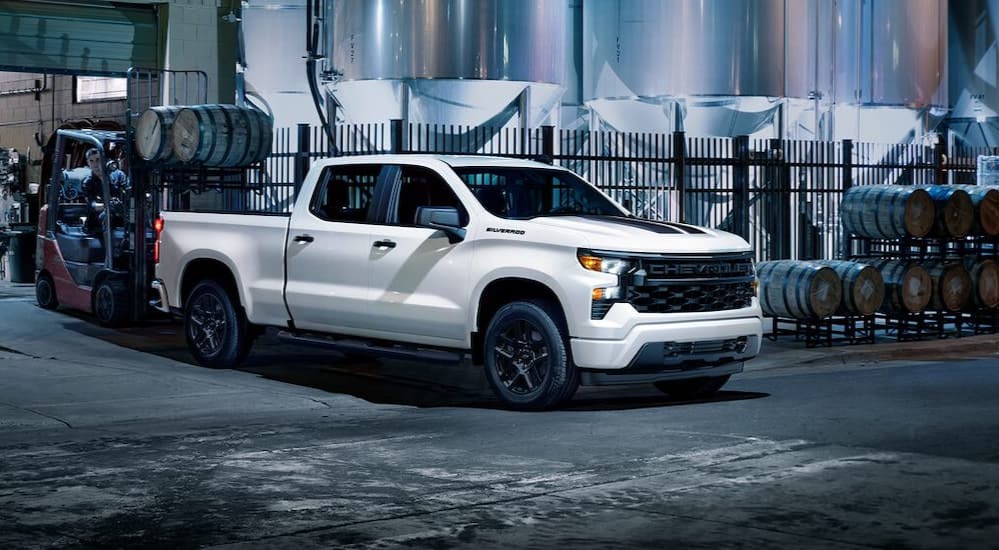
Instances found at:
x=888 y=211
x=154 y=134
x=951 y=285
x=226 y=136
x=798 y=290
x=908 y=287
x=985 y=201
x=984 y=283
x=863 y=286
x=955 y=213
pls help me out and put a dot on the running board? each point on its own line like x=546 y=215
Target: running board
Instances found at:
x=367 y=347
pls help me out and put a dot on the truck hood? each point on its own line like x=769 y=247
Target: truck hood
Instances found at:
x=640 y=235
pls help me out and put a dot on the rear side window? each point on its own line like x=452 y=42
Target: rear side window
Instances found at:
x=344 y=193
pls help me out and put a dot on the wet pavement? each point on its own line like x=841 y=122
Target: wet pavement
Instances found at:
x=112 y=438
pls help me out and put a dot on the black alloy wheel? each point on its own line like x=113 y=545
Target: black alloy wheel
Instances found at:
x=527 y=359
x=216 y=327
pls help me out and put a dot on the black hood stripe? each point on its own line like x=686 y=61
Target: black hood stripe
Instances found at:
x=649 y=225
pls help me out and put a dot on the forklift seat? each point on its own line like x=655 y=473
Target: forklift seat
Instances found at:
x=79 y=247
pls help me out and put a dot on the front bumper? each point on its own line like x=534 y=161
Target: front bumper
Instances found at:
x=624 y=376
x=680 y=346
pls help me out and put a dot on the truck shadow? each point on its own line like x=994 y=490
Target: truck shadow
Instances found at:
x=381 y=381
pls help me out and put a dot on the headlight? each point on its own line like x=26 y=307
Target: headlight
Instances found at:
x=615 y=266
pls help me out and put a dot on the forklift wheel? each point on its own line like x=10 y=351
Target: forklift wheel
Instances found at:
x=45 y=292
x=111 y=302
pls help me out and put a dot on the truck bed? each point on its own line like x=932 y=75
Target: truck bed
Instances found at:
x=253 y=242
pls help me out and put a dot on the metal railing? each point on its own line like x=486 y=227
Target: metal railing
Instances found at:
x=783 y=196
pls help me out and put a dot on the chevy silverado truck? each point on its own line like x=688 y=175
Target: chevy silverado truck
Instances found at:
x=518 y=266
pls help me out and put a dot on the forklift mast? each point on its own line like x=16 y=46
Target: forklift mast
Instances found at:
x=148 y=88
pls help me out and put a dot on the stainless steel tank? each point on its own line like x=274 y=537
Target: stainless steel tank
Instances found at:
x=446 y=61
x=974 y=79
x=889 y=68
x=890 y=52
x=648 y=63
x=694 y=65
x=684 y=47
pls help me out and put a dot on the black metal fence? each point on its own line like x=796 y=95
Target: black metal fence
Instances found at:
x=783 y=196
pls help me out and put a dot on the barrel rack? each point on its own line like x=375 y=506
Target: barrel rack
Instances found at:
x=898 y=228
x=838 y=329
x=930 y=323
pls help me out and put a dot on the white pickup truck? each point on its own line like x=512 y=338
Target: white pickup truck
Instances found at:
x=519 y=266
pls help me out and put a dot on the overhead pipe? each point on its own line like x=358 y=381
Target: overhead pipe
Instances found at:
x=313 y=19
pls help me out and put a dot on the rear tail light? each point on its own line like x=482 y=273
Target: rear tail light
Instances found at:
x=158 y=227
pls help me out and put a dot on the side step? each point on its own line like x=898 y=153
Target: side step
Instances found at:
x=359 y=346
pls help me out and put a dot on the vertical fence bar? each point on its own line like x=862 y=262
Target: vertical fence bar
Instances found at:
x=740 y=187
x=548 y=144
x=939 y=161
x=395 y=135
x=680 y=175
x=847 y=161
x=302 y=156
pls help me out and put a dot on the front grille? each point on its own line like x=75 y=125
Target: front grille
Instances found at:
x=685 y=283
x=690 y=298
x=691 y=283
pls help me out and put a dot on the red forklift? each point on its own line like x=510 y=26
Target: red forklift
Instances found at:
x=98 y=257
x=86 y=251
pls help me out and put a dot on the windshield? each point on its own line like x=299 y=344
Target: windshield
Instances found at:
x=521 y=193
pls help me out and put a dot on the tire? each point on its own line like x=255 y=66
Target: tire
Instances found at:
x=111 y=302
x=527 y=359
x=45 y=292
x=692 y=388
x=215 y=326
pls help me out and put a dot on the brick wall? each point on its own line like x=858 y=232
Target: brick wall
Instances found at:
x=27 y=117
x=191 y=44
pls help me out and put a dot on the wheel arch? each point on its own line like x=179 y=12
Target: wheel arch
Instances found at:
x=505 y=290
x=200 y=269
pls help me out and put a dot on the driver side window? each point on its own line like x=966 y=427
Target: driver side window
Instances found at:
x=344 y=194
x=421 y=186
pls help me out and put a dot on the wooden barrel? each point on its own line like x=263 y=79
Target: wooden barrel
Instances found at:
x=951 y=285
x=887 y=211
x=798 y=290
x=222 y=135
x=984 y=282
x=863 y=287
x=908 y=287
x=986 y=202
x=955 y=213
x=154 y=133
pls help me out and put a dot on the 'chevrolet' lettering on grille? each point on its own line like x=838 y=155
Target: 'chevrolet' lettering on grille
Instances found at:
x=502 y=230
x=701 y=269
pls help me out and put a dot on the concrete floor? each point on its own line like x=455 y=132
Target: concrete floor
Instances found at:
x=111 y=438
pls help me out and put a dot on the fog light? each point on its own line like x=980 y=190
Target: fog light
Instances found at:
x=610 y=293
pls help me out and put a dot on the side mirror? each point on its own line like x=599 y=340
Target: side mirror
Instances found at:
x=443 y=218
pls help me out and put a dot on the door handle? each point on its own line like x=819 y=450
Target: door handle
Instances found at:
x=385 y=244
x=304 y=238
